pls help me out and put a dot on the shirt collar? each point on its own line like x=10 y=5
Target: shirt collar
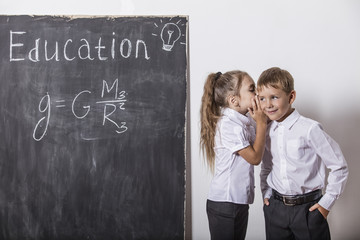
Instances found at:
x=288 y=122
x=236 y=116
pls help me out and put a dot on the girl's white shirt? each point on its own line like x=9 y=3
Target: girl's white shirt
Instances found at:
x=233 y=179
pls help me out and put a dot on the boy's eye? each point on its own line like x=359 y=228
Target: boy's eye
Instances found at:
x=274 y=97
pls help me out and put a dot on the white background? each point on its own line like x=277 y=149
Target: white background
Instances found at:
x=318 y=42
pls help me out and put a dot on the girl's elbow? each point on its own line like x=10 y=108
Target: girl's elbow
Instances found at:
x=256 y=161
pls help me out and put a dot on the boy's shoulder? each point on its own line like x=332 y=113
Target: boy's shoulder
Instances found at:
x=305 y=127
x=307 y=121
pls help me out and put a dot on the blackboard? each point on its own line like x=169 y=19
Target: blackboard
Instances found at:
x=92 y=128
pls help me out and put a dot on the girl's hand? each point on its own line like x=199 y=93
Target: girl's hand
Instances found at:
x=256 y=113
x=322 y=210
x=266 y=201
x=254 y=153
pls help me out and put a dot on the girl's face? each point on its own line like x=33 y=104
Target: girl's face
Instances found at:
x=247 y=92
x=276 y=103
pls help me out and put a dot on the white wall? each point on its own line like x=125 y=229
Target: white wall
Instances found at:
x=317 y=41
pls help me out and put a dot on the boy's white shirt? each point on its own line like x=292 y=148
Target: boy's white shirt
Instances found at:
x=297 y=153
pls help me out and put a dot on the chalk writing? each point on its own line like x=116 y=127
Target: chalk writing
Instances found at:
x=44 y=101
x=103 y=50
x=109 y=107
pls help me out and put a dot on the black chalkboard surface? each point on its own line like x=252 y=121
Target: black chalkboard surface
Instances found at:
x=92 y=129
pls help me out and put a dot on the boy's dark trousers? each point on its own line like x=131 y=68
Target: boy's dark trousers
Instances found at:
x=286 y=222
x=227 y=221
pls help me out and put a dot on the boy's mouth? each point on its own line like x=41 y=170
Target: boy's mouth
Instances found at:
x=271 y=112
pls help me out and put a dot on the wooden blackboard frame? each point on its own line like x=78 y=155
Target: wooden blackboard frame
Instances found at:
x=93 y=127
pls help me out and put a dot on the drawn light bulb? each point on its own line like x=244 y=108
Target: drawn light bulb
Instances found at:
x=169 y=35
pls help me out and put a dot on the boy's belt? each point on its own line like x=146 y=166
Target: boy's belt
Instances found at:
x=292 y=200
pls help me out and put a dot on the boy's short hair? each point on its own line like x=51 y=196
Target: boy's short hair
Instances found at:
x=276 y=78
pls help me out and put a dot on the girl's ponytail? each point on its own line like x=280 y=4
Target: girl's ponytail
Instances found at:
x=209 y=115
x=217 y=88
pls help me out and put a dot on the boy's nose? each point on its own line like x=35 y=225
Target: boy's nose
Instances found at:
x=268 y=104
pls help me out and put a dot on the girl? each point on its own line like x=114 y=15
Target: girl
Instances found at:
x=229 y=144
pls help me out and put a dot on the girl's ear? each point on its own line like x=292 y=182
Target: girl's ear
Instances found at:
x=232 y=101
x=292 y=96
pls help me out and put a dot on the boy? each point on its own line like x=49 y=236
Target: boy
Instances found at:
x=293 y=168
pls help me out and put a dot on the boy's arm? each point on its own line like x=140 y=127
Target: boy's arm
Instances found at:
x=330 y=153
x=265 y=171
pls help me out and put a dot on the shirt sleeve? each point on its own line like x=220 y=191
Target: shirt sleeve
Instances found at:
x=330 y=153
x=265 y=171
x=235 y=138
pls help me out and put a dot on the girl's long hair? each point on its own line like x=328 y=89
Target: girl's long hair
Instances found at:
x=217 y=88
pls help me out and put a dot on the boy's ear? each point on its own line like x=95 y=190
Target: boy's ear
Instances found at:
x=292 y=96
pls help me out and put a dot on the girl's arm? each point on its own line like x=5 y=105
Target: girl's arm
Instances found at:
x=253 y=154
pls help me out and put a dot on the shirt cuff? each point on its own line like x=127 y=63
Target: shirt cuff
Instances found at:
x=239 y=147
x=267 y=193
x=327 y=201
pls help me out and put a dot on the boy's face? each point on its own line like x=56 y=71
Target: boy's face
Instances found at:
x=275 y=103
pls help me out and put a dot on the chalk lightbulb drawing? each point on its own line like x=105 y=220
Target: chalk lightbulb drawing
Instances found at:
x=170 y=34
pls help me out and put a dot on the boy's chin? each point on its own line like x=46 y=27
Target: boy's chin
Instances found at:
x=272 y=118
